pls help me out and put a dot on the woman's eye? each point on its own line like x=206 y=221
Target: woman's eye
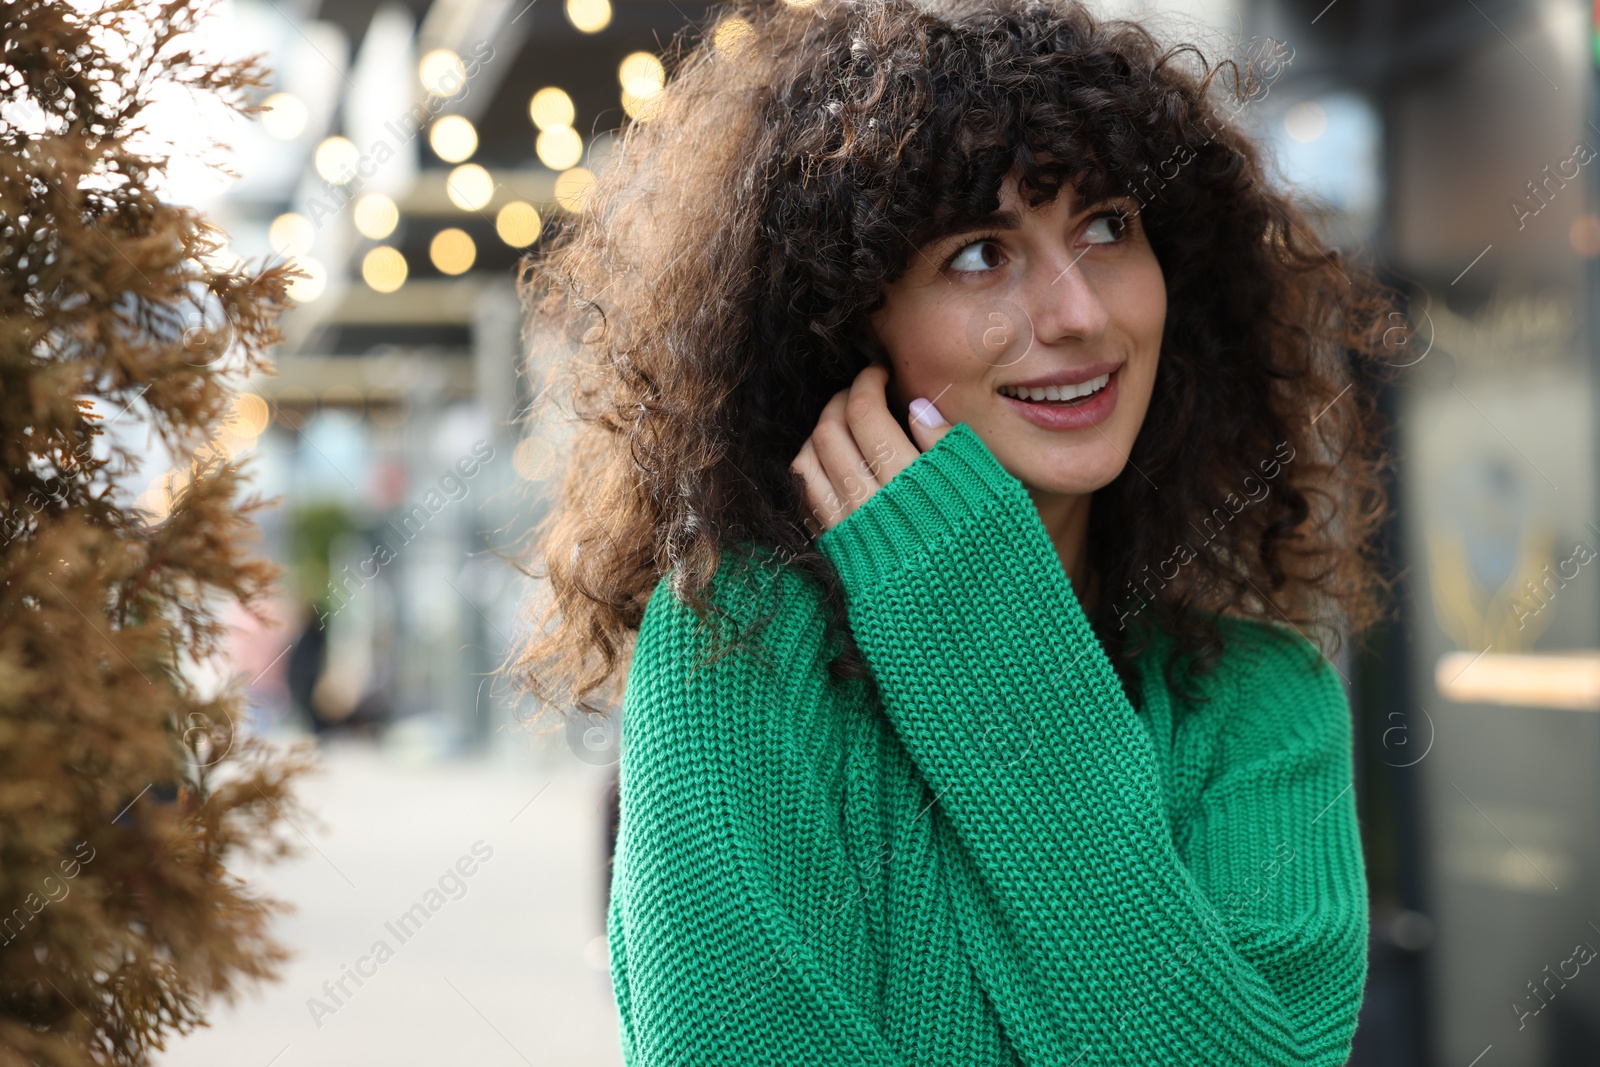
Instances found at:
x=978 y=256
x=1111 y=226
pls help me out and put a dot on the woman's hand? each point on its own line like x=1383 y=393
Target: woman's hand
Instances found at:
x=858 y=446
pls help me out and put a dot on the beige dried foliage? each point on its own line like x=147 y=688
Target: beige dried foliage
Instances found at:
x=127 y=796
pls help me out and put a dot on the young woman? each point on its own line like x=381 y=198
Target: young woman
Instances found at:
x=969 y=435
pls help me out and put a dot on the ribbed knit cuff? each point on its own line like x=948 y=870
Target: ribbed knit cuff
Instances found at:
x=935 y=496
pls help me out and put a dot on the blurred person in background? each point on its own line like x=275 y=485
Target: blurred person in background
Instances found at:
x=969 y=434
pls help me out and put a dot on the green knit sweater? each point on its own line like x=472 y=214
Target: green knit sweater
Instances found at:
x=993 y=858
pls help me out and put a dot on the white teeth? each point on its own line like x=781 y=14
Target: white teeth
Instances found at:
x=1057 y=392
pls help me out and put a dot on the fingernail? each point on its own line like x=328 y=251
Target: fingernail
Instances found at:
x=923 y=411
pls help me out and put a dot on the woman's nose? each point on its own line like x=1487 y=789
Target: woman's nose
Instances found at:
x=1063 y=300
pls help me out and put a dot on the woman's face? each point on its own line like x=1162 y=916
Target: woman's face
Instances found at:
x=1066 y=292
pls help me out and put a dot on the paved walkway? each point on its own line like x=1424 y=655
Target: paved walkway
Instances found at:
x=496 y=861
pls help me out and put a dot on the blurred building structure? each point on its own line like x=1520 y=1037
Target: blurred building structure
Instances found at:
x=416 y=148
x=411 y=153
x=1478 y=738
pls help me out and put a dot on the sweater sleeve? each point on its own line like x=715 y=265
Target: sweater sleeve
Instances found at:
x=736 y=927
x=1103 y=935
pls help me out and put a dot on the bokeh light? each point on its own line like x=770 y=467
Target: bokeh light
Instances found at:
x=559 y=147
x=1584 y=234
x=642 y=77
x=551 y=107
x=453 y=138
x=291 y=234
x=376 y=216
x=157 y=497
x=732 y=36
x=442 y=73
x=452 y=251
x=306 y=289
x=336 y=159
x=641 y=74
x=285 y=117
x=589 y=16
x=223 y=259
x=469 y=187
x=642 y=108
x=1305 y=121
x=384 y=269
x=572 y=188
x=533 y=458
x=244 y=423
x=249 y=416
x=518 y=224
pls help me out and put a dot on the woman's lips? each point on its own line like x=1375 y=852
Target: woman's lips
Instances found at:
x=1059 y=415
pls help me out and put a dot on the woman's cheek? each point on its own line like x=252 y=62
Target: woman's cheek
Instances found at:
x=915 y=357
x=926 y=341
x=1149 y=295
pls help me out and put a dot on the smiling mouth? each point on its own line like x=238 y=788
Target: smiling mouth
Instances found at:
x=1059 y=395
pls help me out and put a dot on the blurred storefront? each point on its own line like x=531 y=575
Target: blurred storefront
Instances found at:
x=1480 y=742
x=1492 y=219
x=411 y=153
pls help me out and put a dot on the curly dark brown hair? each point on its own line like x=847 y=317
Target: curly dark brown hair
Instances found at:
x=715 y=293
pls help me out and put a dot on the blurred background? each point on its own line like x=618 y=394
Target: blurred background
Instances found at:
x=415 y=149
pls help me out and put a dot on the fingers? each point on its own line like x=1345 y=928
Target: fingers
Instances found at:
x=857 y=448
x=842 y=456
x=877 y=433
x=927 y=424
x=842 y=479
x=823 y=505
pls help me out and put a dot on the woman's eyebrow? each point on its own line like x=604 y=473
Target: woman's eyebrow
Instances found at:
x=995 y=220
x=1010 y=220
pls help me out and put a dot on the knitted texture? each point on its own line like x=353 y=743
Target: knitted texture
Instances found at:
x=989 y=857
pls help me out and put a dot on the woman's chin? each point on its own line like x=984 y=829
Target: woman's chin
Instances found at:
x=1074 y=475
